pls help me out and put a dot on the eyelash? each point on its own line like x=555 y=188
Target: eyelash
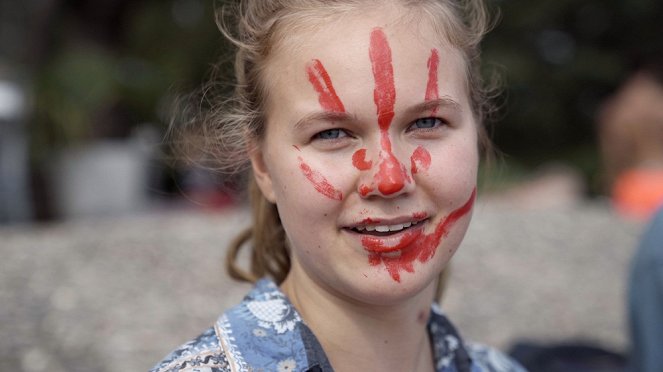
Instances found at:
x=437 y=123
x=342 y=133
x=319 y=136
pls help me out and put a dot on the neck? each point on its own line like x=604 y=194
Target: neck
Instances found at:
x=364 y=337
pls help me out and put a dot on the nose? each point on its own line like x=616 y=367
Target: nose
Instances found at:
x=388 y=177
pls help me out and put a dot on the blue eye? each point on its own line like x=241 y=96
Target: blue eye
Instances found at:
x=331 y=134
x=426 y=123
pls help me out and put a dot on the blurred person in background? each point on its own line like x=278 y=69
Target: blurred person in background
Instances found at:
x=631 y=140
x=645 y=300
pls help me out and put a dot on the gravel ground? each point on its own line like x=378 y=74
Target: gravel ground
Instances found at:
x=118 y=294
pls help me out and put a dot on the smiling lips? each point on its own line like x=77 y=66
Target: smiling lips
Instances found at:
x=386 y=238
x=397 y=246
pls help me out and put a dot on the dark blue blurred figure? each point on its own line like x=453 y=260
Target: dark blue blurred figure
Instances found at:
x=646 y=300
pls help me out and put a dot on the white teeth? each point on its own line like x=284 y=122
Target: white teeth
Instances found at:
x=386 y=228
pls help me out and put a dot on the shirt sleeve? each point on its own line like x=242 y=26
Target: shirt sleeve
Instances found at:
x=202 y=354
x=487 y=359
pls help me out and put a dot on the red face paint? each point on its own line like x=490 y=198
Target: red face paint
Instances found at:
x=392 y=175
x=414 y=245
x=420 y=159
x=319 y=78
x=359 y=160
x=431 y=87
x=319 y=182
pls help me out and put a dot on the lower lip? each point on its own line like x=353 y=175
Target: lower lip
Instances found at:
x=394 y=242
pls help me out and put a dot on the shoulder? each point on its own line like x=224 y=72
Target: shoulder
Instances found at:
x=487 y=359
x=202 y=353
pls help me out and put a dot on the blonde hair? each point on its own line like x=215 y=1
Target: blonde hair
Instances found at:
x=227 y=130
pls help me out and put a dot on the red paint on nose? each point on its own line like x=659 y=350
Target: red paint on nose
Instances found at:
x=319 y=78
x=319 y=182
x=420 y=159
x=364 y=190
x=359 y=160
x=391 y=175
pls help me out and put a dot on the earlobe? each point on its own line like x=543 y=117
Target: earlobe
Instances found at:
x=261 y=174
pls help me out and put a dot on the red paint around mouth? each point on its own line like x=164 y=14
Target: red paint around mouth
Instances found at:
x=359 y=160
x=422 y=249
x=375 y=244
x=319 y=182
x=319 y=78
x=421 y=157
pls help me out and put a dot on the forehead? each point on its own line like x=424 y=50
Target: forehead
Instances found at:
x=342 y=45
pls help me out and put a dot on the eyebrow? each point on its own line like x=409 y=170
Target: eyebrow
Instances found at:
x=434 y=103
x=323 y=116
x=333 y=116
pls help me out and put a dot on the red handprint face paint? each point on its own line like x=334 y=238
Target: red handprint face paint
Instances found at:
x=372 y=155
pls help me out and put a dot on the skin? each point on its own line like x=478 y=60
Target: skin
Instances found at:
x=331 y=164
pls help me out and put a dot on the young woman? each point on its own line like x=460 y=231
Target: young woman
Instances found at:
x=362 y=123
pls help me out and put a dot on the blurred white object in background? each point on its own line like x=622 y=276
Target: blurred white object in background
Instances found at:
x=104 y=177
x=14 y=175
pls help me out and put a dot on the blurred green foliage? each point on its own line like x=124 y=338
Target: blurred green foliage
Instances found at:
x=559 y=59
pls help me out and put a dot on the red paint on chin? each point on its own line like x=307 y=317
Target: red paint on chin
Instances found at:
x=319 y=78
x=359 y=160
x=420 y=159
x=422 y=248
x=319 y=182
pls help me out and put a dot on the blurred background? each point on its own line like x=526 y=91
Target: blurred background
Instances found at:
x=113 y=252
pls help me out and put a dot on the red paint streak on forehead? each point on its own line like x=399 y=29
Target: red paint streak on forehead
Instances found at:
x=319 y=78
x=422 y=248
x=384 y=93
x=420 y=159
x=391 y=175
x=319 y=182
x=432 y=91
x=359 y=160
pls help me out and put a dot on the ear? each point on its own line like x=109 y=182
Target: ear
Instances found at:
x=261 y=173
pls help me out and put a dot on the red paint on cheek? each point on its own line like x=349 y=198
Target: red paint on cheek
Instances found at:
x=420 y=159
x=359 y=160
x=364 y=190
x=319 y=182
x=319 y=78
x=421 y=248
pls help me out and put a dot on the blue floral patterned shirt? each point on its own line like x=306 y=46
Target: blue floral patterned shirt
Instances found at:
x=265 y=333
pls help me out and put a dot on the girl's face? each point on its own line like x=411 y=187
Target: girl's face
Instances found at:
x=370 y=154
